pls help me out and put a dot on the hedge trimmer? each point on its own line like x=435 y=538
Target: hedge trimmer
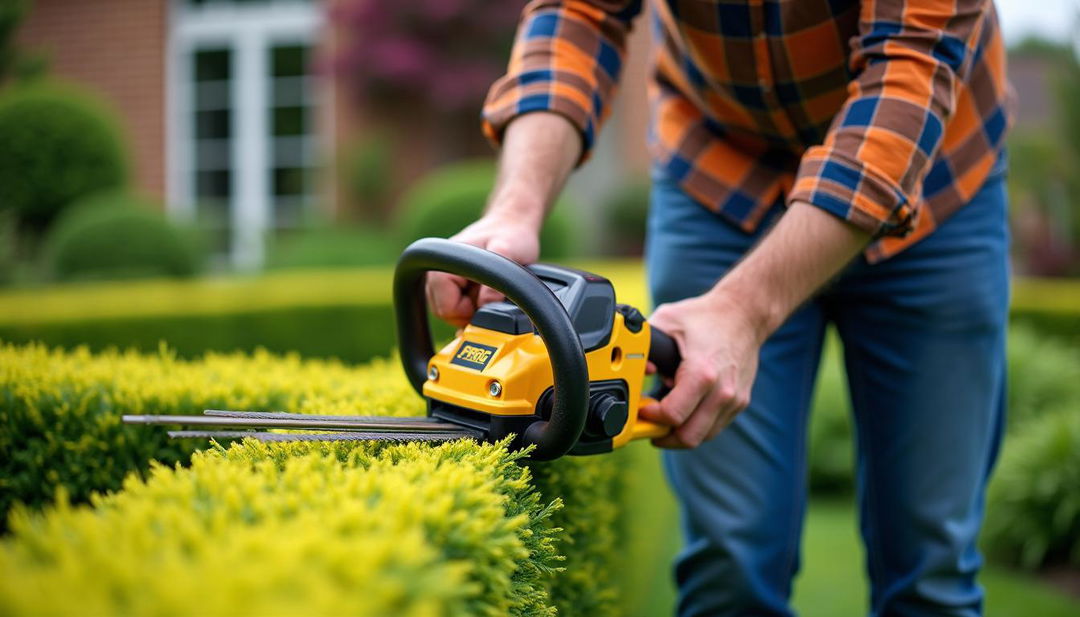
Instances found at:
x=558 y=365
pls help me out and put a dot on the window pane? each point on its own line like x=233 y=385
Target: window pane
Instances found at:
x=289 y=181
x=289 y=121
x=212 y=65
x=213 y=185
x=216 y=124
x=289 y=61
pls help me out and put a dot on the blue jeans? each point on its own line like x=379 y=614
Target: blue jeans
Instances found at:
x=923 y=337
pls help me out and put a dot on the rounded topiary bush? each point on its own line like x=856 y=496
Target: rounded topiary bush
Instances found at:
x=57 y=145
x=117 y=236
x=451 y=197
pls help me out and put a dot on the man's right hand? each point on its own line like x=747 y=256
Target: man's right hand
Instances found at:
x=539 y=149
x=454 y=299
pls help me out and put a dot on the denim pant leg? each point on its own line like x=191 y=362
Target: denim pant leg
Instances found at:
x=742 y=494
x=924 y=343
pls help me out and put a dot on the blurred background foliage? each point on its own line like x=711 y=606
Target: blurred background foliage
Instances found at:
x=75 y=229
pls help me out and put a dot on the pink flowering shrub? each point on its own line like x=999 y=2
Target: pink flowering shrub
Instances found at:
x=442 y=54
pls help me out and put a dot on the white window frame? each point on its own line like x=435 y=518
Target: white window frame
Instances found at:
x=250 y=31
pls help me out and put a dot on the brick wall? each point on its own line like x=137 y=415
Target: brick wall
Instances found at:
x=117 y=49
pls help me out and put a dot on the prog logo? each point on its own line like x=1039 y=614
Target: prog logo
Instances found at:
x=473 y=355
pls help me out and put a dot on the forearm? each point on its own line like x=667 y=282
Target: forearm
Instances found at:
x=807 y=247
x=538 y=153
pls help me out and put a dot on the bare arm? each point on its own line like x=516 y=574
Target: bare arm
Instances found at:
x=539 y=150
x=721 y=332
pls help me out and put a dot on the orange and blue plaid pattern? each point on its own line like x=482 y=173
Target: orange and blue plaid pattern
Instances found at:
x=887 y=113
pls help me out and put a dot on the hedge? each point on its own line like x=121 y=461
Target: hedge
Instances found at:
x=330 y=313
x=326 y=313
x=292 y=529
x=1052 y=306
x=402 y=530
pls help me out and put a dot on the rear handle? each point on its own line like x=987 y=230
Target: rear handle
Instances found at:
x=664 y=352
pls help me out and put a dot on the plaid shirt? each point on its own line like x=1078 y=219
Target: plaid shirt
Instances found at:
x=886 y=113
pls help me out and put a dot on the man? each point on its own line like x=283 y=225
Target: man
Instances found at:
x=815 y=162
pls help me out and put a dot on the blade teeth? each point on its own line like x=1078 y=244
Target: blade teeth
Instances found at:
x=271 y=415
x=350 y=436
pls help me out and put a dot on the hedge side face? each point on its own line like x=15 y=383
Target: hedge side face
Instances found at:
x=373 y=530
x=60 y=413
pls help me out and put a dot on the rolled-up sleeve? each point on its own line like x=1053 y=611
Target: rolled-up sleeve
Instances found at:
x=908 y=60
x=566 y=59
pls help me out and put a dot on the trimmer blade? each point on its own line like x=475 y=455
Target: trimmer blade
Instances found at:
x=349 y=436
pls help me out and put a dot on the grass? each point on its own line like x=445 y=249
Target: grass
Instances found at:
x=831 y=583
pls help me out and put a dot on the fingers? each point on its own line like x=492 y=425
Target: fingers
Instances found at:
x=712 y=411
x=488 y=295
x=693 y=382
x=449 y=298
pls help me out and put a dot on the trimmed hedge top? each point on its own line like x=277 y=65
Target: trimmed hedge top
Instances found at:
x=291 y=529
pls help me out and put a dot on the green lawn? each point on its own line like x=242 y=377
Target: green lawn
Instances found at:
x=831 y=583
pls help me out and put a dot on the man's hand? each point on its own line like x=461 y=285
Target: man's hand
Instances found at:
x=721 y=332
x=453 y=298
x=538 y=152
x=720 y=355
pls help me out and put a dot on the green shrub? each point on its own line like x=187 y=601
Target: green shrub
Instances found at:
x=627 y=217
x=1033 y=511
x=57 y=145
x=367 y=170
x=115 y=236
x=333 y=247
x=1043 y=373
x=831 y=458
x=450 y=198
x=61 y=410
x=59 y=427
x=290 y=529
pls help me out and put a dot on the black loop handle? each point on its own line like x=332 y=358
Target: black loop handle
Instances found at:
x=552 y=438
x=664 y=352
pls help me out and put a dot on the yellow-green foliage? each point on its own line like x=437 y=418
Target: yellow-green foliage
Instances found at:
x=60 y=411
x=294 y=529
x=288 y=521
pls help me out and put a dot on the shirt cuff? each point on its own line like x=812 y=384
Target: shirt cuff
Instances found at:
x=516 y=95
x=854 y=191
